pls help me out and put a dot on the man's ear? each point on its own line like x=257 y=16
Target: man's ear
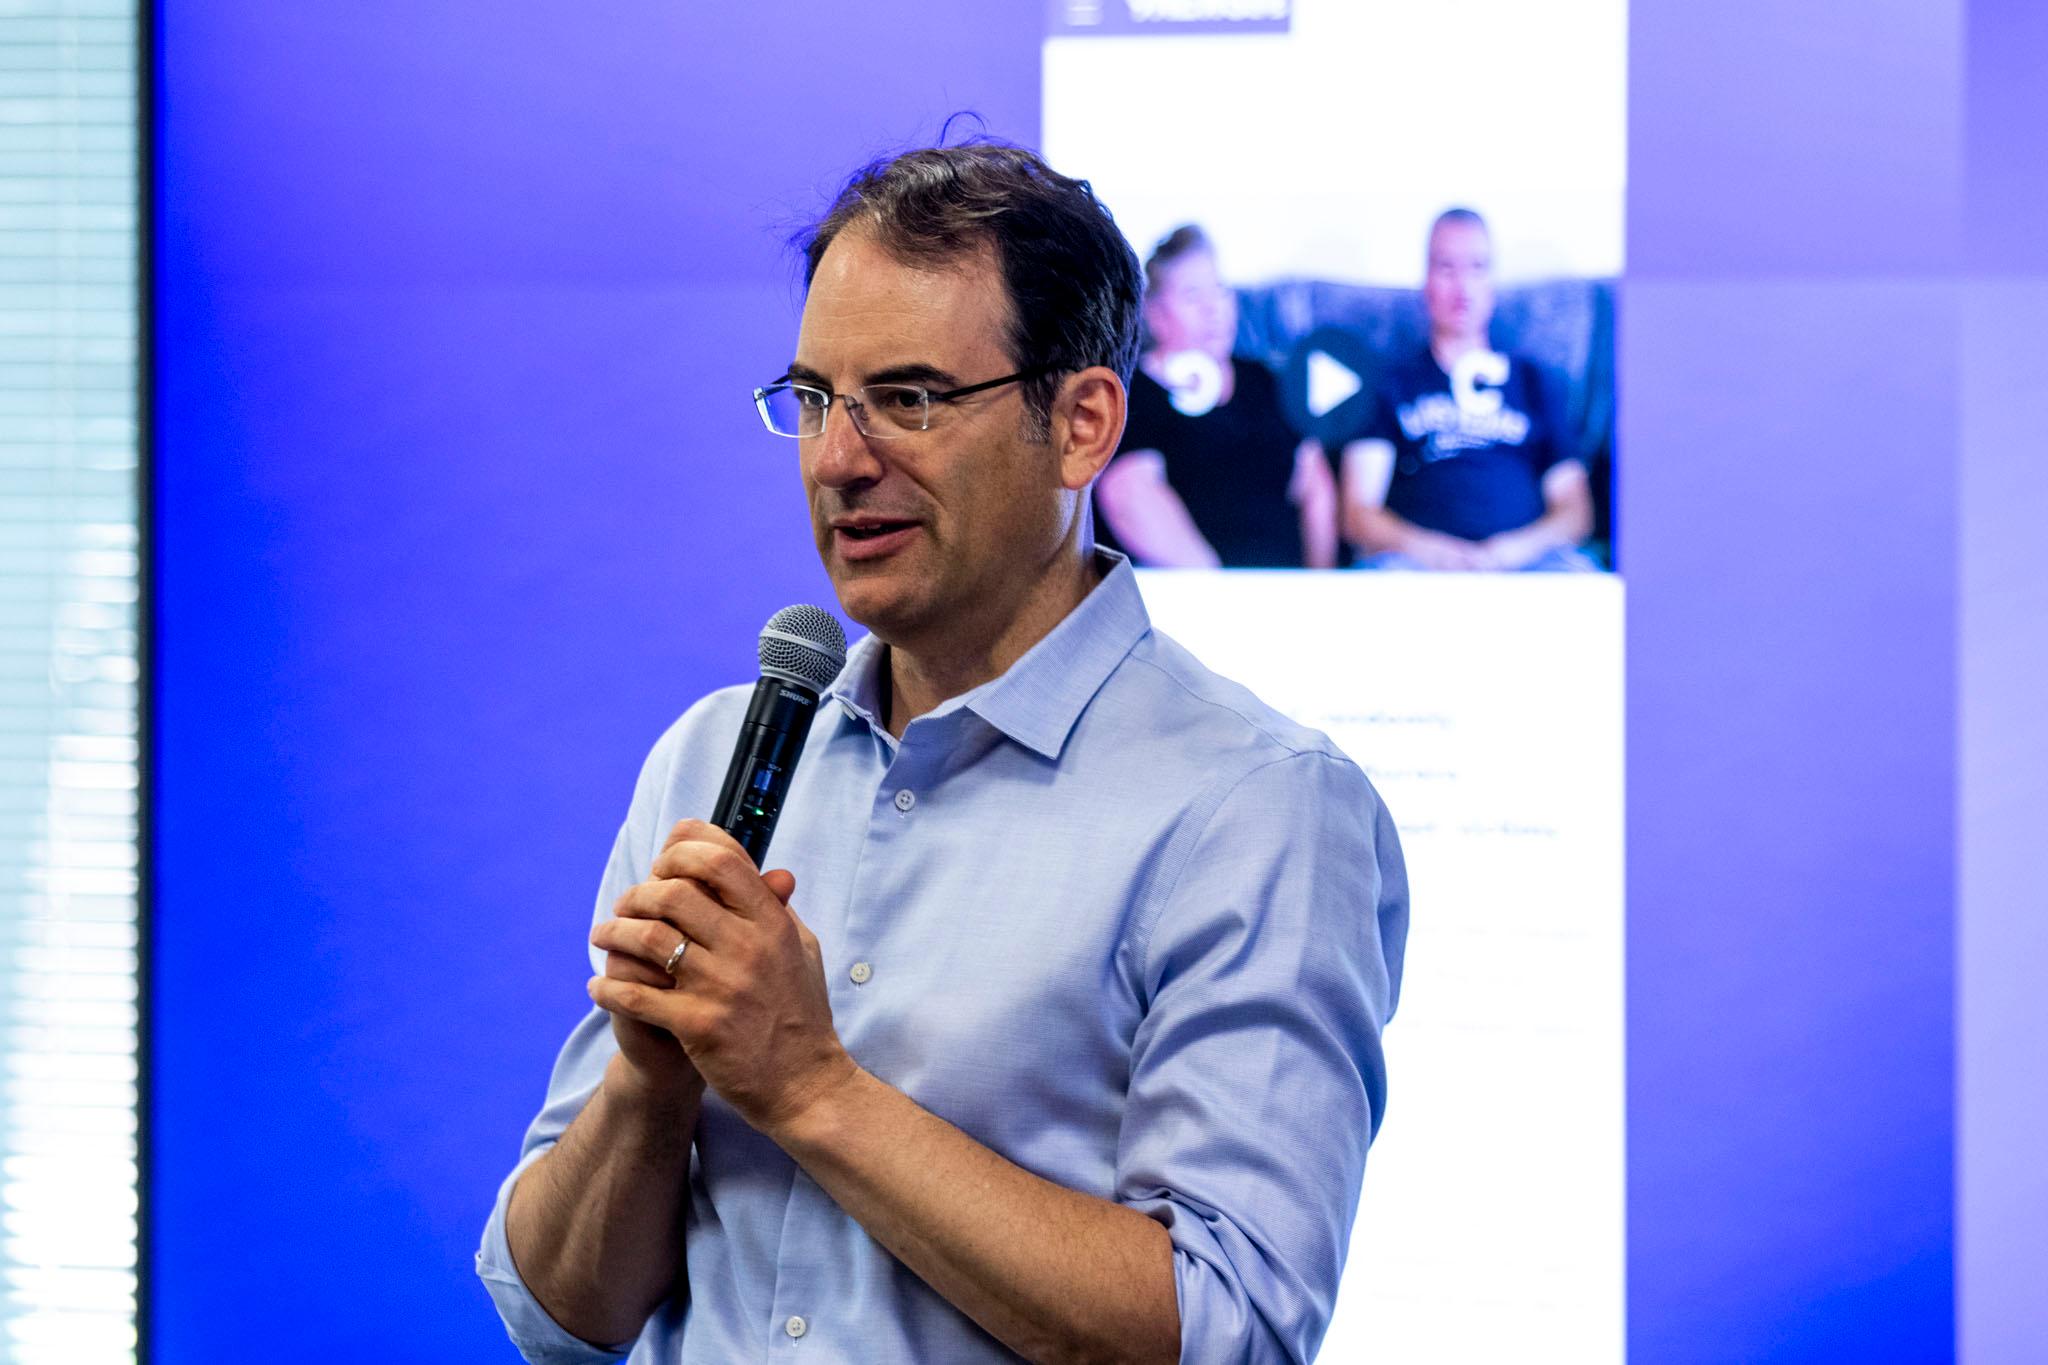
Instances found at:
x=1087 y=422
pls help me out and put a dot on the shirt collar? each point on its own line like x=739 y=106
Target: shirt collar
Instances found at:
x=1038 y=699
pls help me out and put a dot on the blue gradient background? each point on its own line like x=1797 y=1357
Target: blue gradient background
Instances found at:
x=459 y=500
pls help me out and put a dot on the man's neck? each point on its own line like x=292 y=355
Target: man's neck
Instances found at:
x=1451 y=347
x=921 y=679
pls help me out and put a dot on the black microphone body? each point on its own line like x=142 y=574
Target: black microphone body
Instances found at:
x=757 y=781
x=802 y=650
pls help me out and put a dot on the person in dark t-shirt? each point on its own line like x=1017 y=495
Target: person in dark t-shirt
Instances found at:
x=1463 y=466
x=1209 y=472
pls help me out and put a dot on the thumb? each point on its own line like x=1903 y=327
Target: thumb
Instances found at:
x=782 y=882
x=809 y=940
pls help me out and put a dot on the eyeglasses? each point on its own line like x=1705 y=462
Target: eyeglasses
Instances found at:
x=880 y=411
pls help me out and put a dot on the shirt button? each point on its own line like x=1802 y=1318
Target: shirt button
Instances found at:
x=860 y=973
x=905 y=799
x=796 y=1327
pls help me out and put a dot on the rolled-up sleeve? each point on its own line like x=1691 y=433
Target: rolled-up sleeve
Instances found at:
x=578 y=1069
x=1270 y=968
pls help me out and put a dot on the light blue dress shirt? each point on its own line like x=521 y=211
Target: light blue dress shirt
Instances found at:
x=1110 y=916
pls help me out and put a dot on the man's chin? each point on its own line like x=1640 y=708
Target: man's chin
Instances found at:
x=882 y=603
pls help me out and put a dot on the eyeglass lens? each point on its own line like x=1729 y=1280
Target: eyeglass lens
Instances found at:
x=877 y=409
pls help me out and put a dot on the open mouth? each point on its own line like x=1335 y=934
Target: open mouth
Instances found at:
x=874 y=530
x=872 y=540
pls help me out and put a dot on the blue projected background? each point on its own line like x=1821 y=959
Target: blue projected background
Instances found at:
x=459 y=500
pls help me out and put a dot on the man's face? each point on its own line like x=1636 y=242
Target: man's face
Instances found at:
x=1458 y=289
x=930 y=536
x=1190 y=308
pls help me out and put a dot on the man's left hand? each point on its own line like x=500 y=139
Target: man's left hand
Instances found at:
x=749 y=1005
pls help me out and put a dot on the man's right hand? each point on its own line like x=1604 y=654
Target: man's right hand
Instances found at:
x=638 y=949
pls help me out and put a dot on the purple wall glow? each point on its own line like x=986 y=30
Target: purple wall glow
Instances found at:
x=2002 y=1198
x=2002 y=1194
x=1789 y=389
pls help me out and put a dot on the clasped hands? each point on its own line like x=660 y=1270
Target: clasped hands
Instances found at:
x=1508 y=550
x=747 y=1011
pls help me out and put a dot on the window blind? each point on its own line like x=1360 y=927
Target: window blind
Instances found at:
x=70 y=679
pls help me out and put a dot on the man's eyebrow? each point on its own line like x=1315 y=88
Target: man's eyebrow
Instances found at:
x=931 y=376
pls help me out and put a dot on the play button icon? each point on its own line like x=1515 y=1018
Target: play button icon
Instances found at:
x=1328 y=386
x=1330 y=382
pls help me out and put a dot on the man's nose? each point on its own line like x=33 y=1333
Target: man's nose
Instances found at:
x=840 y=455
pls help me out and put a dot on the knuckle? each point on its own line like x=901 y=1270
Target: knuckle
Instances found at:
x=677 y=860
x=655 y=902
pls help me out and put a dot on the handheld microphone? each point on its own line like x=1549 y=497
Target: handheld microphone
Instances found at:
x=802 y=650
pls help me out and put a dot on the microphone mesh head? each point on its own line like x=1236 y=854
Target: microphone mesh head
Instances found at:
x=804 y=645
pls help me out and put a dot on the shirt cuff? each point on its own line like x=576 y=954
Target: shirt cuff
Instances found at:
x=540 y=1339
x=1219 y=1320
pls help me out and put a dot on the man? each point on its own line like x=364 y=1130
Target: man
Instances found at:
x=1463 y=467
x=1209 y=472
x=1059 y=1032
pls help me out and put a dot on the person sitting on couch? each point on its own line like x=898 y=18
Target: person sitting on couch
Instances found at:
x=1463 y=465
x=1209 y=473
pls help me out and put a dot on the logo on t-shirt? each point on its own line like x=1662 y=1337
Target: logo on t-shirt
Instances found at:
x=1476 y=381
x=1192 y=380
x=1473 y=414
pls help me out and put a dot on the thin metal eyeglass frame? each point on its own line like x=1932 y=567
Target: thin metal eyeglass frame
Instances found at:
x=856 y=410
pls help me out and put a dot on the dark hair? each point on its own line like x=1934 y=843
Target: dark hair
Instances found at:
x=1459 y=214
x=1072 y=279
x=1184 y=240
